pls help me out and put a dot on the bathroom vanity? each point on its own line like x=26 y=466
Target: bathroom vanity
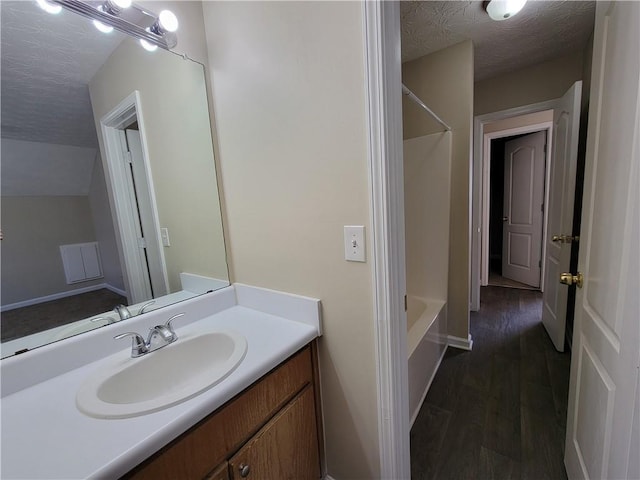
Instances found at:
x=261 y=421
x=268 y=431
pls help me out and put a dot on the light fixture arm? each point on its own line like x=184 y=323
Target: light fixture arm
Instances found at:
x=166 y=40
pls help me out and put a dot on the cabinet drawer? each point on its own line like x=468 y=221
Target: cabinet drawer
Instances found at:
x=198 y=451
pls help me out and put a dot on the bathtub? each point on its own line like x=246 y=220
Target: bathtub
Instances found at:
x=426 y=344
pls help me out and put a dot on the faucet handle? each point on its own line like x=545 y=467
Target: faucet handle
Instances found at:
x=168 y=323
x=148 y=304
x=138 y=345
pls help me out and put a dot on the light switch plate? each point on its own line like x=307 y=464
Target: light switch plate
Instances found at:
x=354 y=250
x=164 y=233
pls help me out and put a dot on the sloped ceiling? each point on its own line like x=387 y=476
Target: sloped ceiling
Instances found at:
x=541 y=31
x=47 y=62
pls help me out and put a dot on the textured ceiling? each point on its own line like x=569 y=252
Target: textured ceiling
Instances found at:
x=541 y=31
x=47 y=62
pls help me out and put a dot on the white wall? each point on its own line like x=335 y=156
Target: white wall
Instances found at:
x=288 y=88
x=44 y=205
x=427 y=178
x=176 y=125
x=31 y=261
x=533 y=84
x=35 y=168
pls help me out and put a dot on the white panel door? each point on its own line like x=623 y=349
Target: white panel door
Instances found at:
x=523 y=208
x=150 y=230
x=601 y=440
x=562 y=186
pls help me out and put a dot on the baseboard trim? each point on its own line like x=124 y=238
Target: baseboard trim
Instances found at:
x=426 y=390
x=459 y=342
x=113 y=289
x=58 y=296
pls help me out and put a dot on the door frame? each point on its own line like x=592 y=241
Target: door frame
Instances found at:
x=383 y=102
x=478 y=187
x=123 y=217
x=486 y=190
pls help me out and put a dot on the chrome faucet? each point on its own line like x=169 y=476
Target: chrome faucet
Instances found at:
x=122 y=311
x=159 y=336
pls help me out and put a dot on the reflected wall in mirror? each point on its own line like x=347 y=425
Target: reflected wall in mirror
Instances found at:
x=109 y=191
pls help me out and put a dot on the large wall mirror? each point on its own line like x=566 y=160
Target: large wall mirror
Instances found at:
x=110 y=207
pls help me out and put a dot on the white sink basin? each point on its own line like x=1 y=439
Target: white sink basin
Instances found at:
x=136 y=386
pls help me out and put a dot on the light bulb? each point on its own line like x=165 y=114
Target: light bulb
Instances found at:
x=121 y=3
x=49 y=7
x=149 y=47
x=168 y=21
x=114 y=7
x=102 y=27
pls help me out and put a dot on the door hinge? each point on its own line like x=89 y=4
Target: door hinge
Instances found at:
x=545 y=148
x=405 y=303
x=127 y=157
x=542 y=207
x=540 y=263
x=142 y=243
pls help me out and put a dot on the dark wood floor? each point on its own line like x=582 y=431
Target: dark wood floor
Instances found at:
x=36 y=318
x=499 y=411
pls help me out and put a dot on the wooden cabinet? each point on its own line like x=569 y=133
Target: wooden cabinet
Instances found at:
x=268 y=431
x=220 y=473
x=285 y=448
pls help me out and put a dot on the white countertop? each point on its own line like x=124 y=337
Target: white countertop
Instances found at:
x=44 y=435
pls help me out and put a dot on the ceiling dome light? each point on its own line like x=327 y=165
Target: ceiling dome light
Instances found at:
x=502 y=9
x=148 y=46
x=49 y=7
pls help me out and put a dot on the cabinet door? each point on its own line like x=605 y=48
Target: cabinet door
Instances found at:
x=285 y=448
x=220 y=473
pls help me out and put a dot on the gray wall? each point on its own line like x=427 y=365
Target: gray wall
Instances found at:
x=31 y=261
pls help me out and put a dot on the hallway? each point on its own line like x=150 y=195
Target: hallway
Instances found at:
x=498 y=411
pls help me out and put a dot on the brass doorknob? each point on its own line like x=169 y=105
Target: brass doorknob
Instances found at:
x=570 y=279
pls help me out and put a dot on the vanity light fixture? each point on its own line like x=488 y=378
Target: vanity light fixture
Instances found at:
x=149 y=47
x=502 y=9
x=112 y=7
x=166 y=22
x=125 y=16
x=49 y=7
x=101 y=26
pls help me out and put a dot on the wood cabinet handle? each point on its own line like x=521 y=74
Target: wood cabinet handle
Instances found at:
x=244 y=470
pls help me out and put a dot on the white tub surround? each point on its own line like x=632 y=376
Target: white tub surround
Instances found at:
x=426 y=345
x=44 y=435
